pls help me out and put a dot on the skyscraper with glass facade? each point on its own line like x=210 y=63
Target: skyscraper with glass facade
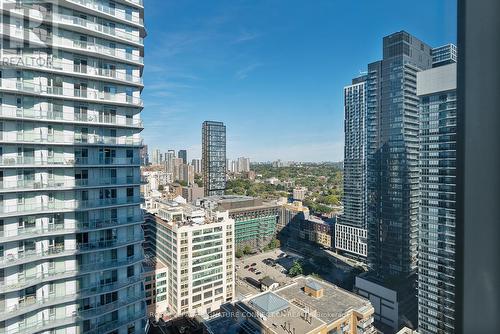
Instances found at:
x=214 y=157
x=392 y=179
x=350 y=229
x=70 y=217
x=436 y=88
x=392 y=154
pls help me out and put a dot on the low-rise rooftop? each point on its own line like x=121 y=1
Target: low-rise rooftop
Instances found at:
x=335 y=303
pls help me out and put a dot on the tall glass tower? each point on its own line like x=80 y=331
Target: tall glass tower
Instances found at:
x=350 y=229
x=70 y=217
x=392 y=154
x=214 y=157
x=436 y=266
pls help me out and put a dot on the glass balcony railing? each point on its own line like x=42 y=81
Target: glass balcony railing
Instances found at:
x=75 y=138
x=103 y=244
x=24 y=208
x=40 y=326
x=30 y=255
x=32 y=303
x=98 y=309
x=113 y=325
x=75 y=318
x=30 y=232
x=31 y=185
x=20 y=161
x=106 y=9
x=94 y=26
x=97 y=266
x=23 y=281
x=40 y=114
x=84 y=94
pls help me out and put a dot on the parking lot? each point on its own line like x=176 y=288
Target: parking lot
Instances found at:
x=245 y=276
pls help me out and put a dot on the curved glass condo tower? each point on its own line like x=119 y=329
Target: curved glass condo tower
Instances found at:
x=70 y=217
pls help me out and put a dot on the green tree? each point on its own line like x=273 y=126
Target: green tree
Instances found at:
x=275 y=243
x=296 y=269
x=247 y=249
x=239 y=253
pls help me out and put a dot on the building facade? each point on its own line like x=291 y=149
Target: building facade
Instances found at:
x=392 y=154
x=289 y=214
x=214 y=157
x=255 y=220
x=70 y=217
x=183 y=155
x=197 y=246
x=317 y=231
x=436 y=269
x=155 y=286
x=196 y=163
x=350 y=229
x=392 y=182
x=299 y=193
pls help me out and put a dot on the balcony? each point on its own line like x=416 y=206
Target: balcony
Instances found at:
x=104 y=244
x=113 y=325
x=99 y=309
x=97 y=266
x=66 y=117
x=57 y=229
x=41 y=185
x=34 y=255
x=33 y=232
x=40 y=326
x=24 y=282
x=78 y=94
x=97 y=27
x=31 y=303
x=54 y=162
x=69 y=139
x=117 y=13
x=69 y=205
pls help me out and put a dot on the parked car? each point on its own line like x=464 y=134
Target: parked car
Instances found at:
x=253 y=264
x=258 y=273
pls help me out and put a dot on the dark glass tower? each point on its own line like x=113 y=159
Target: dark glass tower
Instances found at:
x=392 y=155
x=182 y=154
x=214 y=157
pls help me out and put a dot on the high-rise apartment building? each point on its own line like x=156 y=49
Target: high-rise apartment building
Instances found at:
x=183 y=155
x=156 y=157
x=392 y=154
x=392 y=151
x=350 y=229
x=436 y=88
x=196 y=163
x=197 y=247
x=446 y=54
x=143 y=154
x=243 y=165
x=214 y=157
x=169 y=162
x=70 y=218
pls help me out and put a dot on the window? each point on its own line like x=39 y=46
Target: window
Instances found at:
x=130 y=271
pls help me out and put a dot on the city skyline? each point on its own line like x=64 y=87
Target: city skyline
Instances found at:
x=199 y=66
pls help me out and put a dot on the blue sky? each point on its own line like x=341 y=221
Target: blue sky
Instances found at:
x=272 y=70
